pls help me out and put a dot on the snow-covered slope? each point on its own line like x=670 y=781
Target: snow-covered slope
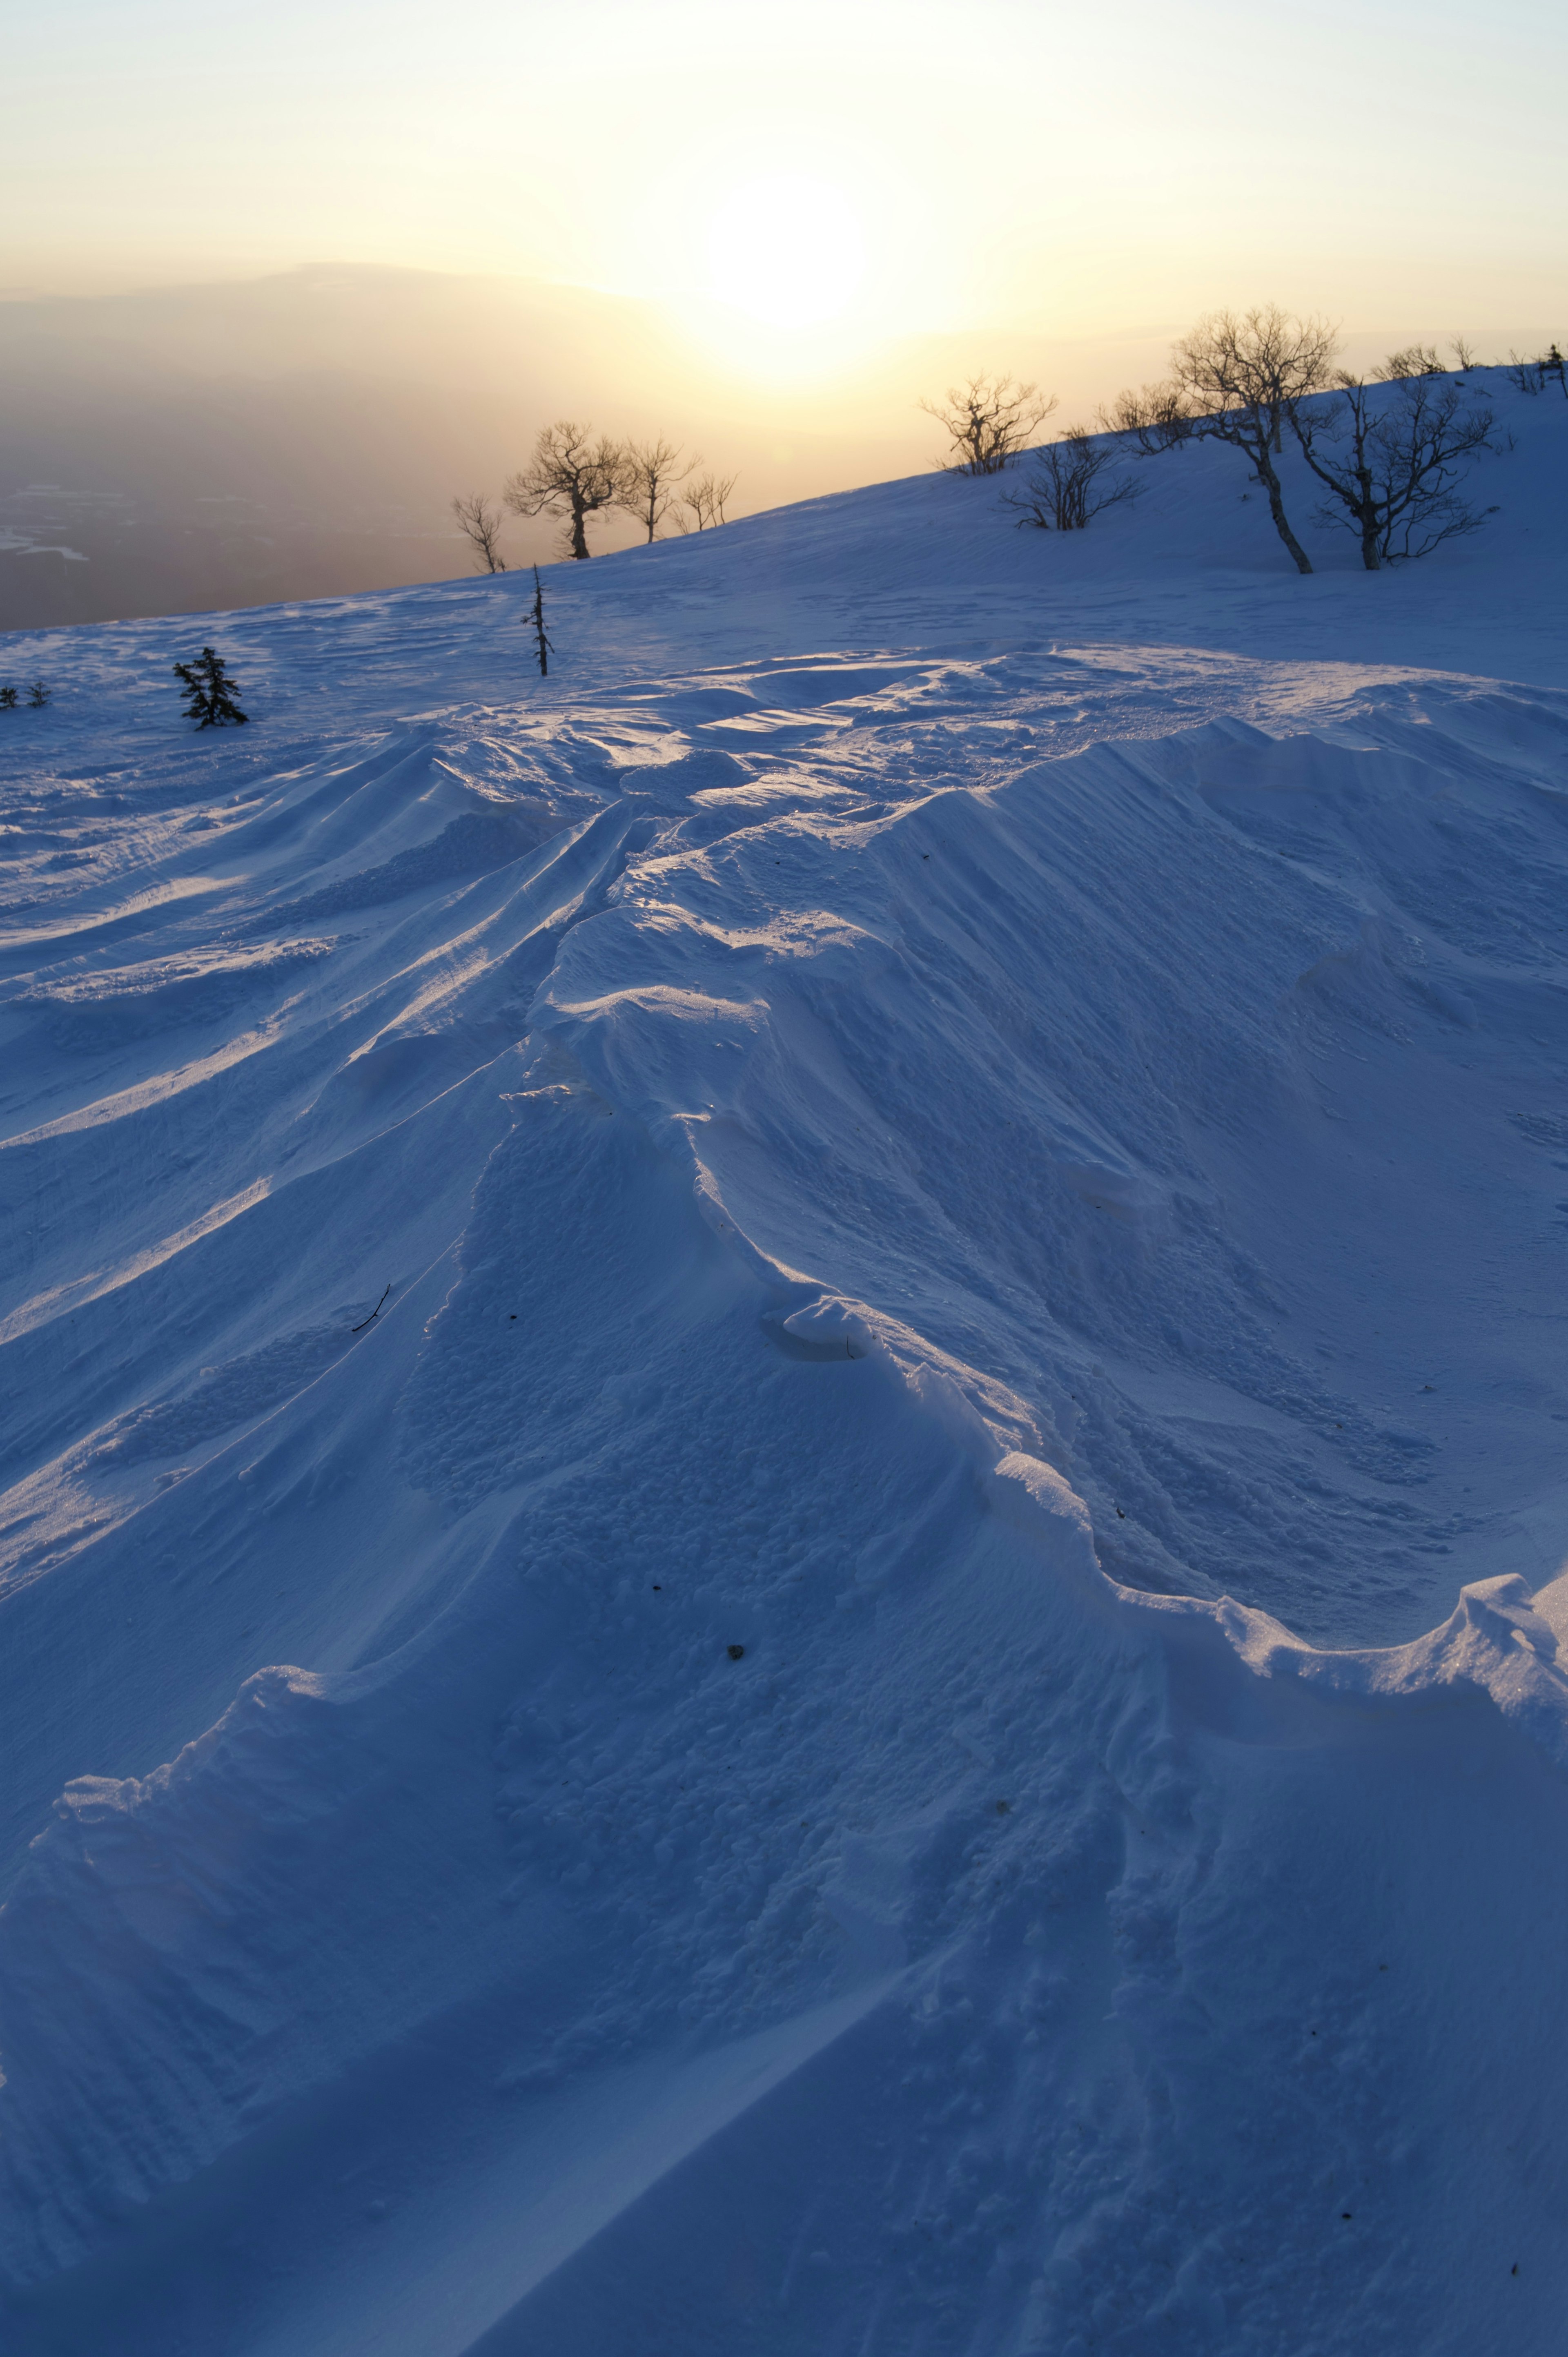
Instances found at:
x=904 y=1697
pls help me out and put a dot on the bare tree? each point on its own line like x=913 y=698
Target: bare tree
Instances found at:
x=989 y=421
x=1072 y=480
x=650 y=474
x=481 y=525
x=1242 y=378
x=1392 y=461
x=570 y=474
x=1412 y=359
x=1531 y=375
x=1157 y=415
x=1464 y=352
x=705 y=502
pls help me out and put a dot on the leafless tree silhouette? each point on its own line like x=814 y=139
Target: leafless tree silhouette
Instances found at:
x=1392 y=461
x=570 y=474
x=481 y=524
x=650 y=474
x=704 y=501
x=1158 y=416
x=988 y=419
x=1242 y=377
x=1532 y=375
x=1071 y=482
x=1410 y=359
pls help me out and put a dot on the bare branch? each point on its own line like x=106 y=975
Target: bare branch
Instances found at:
x=570 y=474
x=481 y=524
x=1392 y=465
x=1242 y=378
x=1415 y=359
x=649 y=473
x=988 y=419
x=705 y=502
x=1532 y=376
x=1072 y=480
x=373 y=1315
x=1158 y=416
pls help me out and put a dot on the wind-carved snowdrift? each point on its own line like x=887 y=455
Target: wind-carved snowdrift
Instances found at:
x=916 y=1726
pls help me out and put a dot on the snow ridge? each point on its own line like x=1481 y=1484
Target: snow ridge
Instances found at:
x=934 y=1717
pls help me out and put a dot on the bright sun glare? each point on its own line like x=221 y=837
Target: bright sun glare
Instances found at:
x=788 y=250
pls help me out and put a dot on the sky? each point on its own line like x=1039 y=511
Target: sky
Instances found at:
x=799 y=181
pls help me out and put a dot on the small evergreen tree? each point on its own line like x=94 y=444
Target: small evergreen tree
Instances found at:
x=7 y=699
x=536 y=616
x=38 y=696
x=209 y=692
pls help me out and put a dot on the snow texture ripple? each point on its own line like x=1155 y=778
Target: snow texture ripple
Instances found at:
x=783 y=1455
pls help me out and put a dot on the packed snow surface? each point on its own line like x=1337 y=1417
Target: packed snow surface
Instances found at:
x=785 y=1452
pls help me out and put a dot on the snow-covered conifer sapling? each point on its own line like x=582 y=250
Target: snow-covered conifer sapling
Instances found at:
x=536 y=616
x=207 y=693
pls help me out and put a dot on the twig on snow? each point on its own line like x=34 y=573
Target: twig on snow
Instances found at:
x=372 y=1318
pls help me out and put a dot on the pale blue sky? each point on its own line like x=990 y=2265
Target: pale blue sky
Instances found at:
x=1086 y=169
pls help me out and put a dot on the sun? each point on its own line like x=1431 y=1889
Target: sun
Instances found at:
x=788 y=250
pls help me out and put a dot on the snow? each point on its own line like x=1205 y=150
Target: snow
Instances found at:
x=905 y=1697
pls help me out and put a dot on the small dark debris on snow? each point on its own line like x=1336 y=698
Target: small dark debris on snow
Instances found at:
x=735 y=1651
